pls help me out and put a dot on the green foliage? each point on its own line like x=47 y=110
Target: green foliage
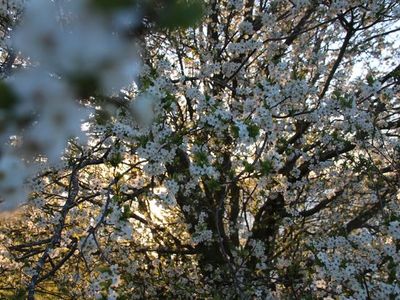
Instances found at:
x=105 y=285
x=253 y=130
x=7 y=97
x=201 y=158
x=164 y=14
x=19 y=294
x=370 y=79
x=299 y=74
x=216 y=296
x=213 y=185
x=127 y=213
x=168 y=100
x=238 y=223
x=115 y=159
x=265 y=167
x=102 y=116
x=344 y=102
x=85 y=84
x=176 y=139
x=235 y=131
x=180 y=14
x=248 y=168
x=108 y=5
x=396 y=74
x=392 y=270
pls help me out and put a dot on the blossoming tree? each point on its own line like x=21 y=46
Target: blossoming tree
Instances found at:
x=254 y=154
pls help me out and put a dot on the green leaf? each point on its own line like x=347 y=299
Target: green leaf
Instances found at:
x=265 y=167
x=85 y=84
x=115 y=159
x=336 y=94
x=253 y=130
x=370 y=79
x=8 y=98
x=392 y=270
x=126 y=213
x=176 y=139
x=168 y=101
x=20 y=294
x=102 y=117
x=110 y=5
x=216 y=297
x=248 y=167
x=180 y=14
x=235 y=131
x=145 y=83
x=201 y=158
x=213 y=185
x=143 y=140
x=343 y=101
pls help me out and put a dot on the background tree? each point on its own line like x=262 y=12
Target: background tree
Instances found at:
x=257 y=156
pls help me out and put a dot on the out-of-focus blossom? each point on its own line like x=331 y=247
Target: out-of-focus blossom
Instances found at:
x=71 y=51
x=12 y=176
